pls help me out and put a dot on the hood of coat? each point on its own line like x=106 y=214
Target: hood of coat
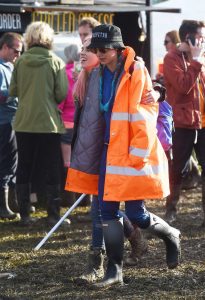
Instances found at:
x=37 y=56
x=130 y=56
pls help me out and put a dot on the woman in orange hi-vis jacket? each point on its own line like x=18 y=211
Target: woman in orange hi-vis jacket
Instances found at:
x=117 y=155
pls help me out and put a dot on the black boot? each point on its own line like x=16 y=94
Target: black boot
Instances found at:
x=23 y=197
x=114 y=244
x=171 y=238
x=5 y=212
x=95 y=269
x=53 y=204
x=203 y=199
x=67 y=198
x=171 y=203
x=12 y=200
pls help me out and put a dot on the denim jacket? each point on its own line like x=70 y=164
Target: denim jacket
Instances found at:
x=8 y=105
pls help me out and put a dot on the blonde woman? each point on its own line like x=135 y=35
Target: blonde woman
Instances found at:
x=40 y=83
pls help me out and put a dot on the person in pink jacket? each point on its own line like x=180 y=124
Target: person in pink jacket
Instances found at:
x=67 y=107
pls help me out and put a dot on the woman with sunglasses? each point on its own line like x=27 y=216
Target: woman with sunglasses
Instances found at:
x=171 y=40
x=95 y=269
x=117 y=155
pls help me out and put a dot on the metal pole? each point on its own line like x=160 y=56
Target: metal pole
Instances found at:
x=59 y=222
x=149 y=37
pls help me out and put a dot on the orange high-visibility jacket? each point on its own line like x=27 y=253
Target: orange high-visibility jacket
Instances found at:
x=137 y=166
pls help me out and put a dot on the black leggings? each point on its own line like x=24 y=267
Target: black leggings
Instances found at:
x=35 y=148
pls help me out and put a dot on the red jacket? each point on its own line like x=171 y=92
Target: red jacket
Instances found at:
x=180 y=76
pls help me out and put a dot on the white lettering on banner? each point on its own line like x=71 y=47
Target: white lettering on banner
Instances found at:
x=10 y=21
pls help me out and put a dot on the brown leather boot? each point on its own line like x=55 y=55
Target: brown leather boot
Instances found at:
x=171 y=203
x=138 y=246
x=95 y=269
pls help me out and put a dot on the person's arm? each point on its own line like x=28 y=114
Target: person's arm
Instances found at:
x=144 y=119
x=13 y=91
x=176 y=75
x=4 y=93
x=61 y=84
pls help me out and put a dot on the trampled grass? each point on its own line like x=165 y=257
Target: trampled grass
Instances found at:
x=50 y=272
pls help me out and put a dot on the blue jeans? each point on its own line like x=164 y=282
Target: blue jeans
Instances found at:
x=97 y=233
x=8 y=156
x=137 y=210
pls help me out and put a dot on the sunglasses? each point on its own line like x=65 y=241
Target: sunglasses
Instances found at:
x=16 y=51
x=166 y=42
x=101 y=50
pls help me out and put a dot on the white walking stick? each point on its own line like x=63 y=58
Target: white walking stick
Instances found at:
x=59 y=222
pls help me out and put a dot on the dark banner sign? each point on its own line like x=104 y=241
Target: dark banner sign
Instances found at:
x=15 y=22
x=68 y=21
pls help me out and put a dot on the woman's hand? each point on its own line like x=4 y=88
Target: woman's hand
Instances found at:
x=150 y=97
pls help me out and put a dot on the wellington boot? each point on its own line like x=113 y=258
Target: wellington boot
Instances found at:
x=23 y=197
x=203 y=199
x=138 y=247
x=171 y=238
x=5 y=211
x=53 y=205
x=13 y=203
x=12 y=200
x=114 y=243
x=95 y=270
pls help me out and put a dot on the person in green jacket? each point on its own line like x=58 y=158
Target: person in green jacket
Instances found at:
x=39 y=81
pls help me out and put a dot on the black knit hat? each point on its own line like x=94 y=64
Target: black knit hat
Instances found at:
x=107 y=36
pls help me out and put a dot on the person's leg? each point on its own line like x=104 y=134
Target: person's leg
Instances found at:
x=8 y=163
x=137 y=213
x=136 y=239
x=50 y=152
x=114 y=242
x=68 y=198
x=200 y=154
x=183 y=143
x=95 y=269
x=26 y=143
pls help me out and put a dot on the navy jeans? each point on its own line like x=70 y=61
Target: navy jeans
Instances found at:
x=8 y=156
x=137 y=212
x=97 y=233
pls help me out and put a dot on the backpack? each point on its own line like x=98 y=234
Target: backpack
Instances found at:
x=164 y=120
x=165 y=125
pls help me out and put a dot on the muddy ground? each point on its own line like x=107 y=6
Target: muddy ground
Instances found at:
x=50 y=273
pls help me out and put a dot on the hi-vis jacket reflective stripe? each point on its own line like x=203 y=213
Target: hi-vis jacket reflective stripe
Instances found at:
x=136 y=163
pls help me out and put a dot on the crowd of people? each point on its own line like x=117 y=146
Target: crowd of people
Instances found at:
x=102 y=122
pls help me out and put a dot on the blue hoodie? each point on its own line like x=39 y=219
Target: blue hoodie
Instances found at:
x=8 y=105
